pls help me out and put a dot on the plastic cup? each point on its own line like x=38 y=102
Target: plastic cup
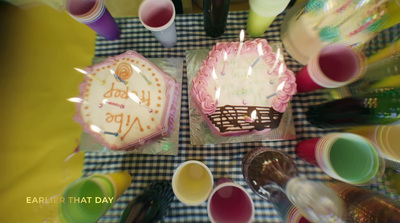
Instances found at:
x=230 y=202
x=387 y=140
x=262 y=13
x=192 y=182
x=158 y=16
x=89 y=198
x=94 y=14
x=344 y=156
x=334 y=66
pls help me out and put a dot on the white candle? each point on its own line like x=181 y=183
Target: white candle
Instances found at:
x=136 y=99
x=97 y=129
x=260 y=54
x=225 y=59
x=89 y=75
x=241 y=38
x=140 y=72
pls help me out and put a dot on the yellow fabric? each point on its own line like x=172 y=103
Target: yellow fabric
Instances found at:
x=39 y=49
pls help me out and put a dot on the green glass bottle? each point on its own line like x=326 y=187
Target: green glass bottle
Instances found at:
x=377 y=107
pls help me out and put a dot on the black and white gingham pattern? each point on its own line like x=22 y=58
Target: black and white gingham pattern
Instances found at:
x=224 y=160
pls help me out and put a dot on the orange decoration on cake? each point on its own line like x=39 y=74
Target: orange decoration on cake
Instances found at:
x=124 y=71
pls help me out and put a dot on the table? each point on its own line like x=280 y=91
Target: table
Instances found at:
x=224 y=160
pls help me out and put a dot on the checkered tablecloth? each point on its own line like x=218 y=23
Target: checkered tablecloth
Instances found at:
x=224 y=160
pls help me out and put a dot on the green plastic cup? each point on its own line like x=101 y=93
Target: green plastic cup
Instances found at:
x=89 y=198
x=349 y=158
x=262 y=13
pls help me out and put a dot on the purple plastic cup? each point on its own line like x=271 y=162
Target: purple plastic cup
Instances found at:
x=94 y=14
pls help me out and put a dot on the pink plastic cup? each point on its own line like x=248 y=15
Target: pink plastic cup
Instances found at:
x=158 y=16
x=230 y=202
x=334 y=66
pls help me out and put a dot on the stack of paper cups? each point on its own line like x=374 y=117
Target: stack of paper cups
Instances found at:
x=387 y=140
x=94 y=14
x=334 y=66
x=344 y=156
x=262 y=13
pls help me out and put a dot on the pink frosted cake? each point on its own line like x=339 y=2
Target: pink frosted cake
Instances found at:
x=127 y=101
x=243 y=93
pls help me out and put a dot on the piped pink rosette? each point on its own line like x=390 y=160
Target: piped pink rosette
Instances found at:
x=204 y=99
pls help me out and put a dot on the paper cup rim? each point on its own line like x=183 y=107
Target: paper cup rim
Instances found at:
x=381 y=135
x=179 y=168
x=161 y=28
x=91 y=16
x=226 y=184
x=326 y=82
x=328 y=168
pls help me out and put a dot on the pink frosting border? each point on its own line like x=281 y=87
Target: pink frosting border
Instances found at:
x=172 y=91
x=204 y=100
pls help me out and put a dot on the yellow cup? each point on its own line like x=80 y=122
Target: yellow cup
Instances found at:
x=121 y=180
x=192 y=182
x=386 y=137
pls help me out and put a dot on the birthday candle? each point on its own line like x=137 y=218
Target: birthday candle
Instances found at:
x=260 y=54
x=252 y=117
x=89 y=75
x=105 y=101
x=118 y=77
x=97 y=129
x=249 y=71
x=225 y=58
x=279 y=88
x=136 y=99
x=77 y=100
x=140 y=72
x=217 y=94
x=241 y=42
x=277 y=59
x=214 y=75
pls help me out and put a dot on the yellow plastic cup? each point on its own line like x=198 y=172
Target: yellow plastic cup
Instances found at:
x=192 y=182
x=257 y=25
x=262 y=13
x=386 y=137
